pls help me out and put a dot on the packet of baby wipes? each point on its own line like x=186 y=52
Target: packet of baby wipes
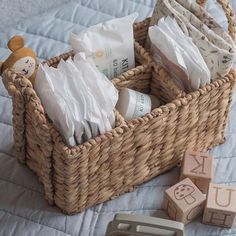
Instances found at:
x=78 y=101
x=78 y=98
x=109 y=44
x=178 y=54
x=55 y=101
x=103 y=90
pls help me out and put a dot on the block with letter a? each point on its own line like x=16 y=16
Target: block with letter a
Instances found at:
x=221 y=206
x=198 y=167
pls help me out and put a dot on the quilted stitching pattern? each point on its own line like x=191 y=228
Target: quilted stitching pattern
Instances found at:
x=22 y=206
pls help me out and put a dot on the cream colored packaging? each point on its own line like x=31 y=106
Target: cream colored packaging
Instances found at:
x=216 y=46
x=109 y=44
x=133 y=104
x=178 y=54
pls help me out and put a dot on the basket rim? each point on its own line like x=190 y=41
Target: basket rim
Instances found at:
x=137 y=47
x=141 y=24
x=161 y=112
x=25 y=87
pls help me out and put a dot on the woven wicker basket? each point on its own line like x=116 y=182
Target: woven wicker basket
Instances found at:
x=130 y=154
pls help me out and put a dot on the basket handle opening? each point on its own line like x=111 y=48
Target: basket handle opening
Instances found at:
x=229 y=12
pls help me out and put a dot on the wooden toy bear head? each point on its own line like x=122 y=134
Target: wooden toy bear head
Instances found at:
x=22 y=59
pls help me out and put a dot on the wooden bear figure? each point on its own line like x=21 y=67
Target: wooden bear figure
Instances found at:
x=22 y=59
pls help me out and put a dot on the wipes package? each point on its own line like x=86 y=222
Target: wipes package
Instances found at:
x=216 y=46
x=55 y=101
x=109 y=44
x=103 y=97
x=178 y=54
x=78 y=98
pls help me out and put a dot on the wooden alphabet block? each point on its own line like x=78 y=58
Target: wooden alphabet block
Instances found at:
x=199 y=168
x=184 y=201
x=221 y=206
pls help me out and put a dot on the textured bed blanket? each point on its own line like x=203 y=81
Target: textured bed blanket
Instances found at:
x=22 y=9
x=23 y=210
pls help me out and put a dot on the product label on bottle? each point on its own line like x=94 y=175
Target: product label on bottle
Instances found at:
x=143 y=105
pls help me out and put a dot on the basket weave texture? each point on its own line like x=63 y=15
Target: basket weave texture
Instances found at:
x=133 y=152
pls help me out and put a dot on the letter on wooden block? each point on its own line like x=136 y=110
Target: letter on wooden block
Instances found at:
x=221 y=206
x=199 y=168
x=184 y=201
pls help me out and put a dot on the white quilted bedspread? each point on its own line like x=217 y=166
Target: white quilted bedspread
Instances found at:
x=23 y=210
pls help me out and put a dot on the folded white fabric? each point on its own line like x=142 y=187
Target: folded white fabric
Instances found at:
x=109 y=44
x=102 y=90
x=178 y=54
x=55 y=100
x=78 y=98
x=215 y=45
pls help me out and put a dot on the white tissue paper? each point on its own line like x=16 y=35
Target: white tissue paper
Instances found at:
x=109 y=44
x=178 y=54
x=55 y=101
x=78 y=98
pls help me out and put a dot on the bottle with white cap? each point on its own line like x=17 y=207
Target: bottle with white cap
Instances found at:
x=133 y=104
